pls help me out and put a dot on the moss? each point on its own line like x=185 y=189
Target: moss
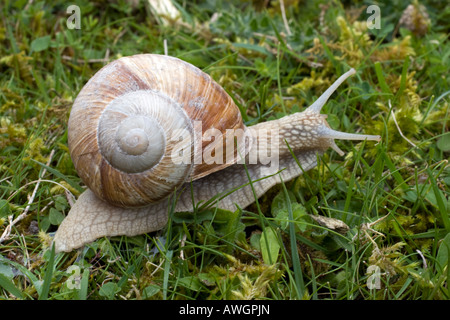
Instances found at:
x=13 y=134
x=398 y=49
x=20 y=65
x=36 y=149
x=314 y=82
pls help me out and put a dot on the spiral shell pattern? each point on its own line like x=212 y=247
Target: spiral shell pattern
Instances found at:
x=131 y=129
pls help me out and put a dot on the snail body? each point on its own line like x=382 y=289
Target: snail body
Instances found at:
x=148 y=125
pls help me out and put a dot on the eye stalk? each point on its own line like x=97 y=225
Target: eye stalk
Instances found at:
x=319 y=103
x=324 y=131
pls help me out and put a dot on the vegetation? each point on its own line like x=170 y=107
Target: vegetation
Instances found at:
x=374 y=224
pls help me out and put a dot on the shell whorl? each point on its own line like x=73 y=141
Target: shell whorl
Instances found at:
x=131 y=128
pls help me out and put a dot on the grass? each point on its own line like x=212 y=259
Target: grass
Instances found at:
x=393 y=197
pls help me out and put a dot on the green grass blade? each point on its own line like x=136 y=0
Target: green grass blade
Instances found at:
x=9 y=286
x=167 y=264
x=48 y=275
x=351 y=183
x=298 y=275
x=439 y=200
x=394 y=172
x=82 y=293
x=403 y=78
x=313 y=280
x=381 y=80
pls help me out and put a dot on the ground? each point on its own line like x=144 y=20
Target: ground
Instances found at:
x=387 y=236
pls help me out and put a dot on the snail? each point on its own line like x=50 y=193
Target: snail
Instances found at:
x=148 y=127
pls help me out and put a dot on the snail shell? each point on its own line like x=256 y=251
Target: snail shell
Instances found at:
x=133 y=134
